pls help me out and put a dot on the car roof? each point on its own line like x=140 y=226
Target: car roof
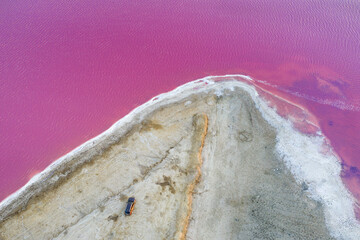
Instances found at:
x=128 y=208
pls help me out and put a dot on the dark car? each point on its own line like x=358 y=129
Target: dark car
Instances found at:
x=130 y=206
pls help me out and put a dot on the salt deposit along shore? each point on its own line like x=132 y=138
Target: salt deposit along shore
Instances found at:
x=209 y=160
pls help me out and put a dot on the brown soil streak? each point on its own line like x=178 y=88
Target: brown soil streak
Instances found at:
x=191 y=187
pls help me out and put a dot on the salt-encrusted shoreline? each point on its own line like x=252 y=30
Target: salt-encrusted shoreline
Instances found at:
x=301 y=153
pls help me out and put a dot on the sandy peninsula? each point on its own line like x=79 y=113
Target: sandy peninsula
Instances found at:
x=203 y=164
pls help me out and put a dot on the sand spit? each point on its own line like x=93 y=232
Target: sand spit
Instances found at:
x=209 y=160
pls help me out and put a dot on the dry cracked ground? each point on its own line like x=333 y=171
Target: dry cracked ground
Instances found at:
x=202 y=168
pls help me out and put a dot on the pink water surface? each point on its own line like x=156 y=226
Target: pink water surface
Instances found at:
x=70 y=69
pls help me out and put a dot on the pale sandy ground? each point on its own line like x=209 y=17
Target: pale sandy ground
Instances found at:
x=235 y=187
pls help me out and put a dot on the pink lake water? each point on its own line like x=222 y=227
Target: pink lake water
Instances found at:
x=70 y=69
